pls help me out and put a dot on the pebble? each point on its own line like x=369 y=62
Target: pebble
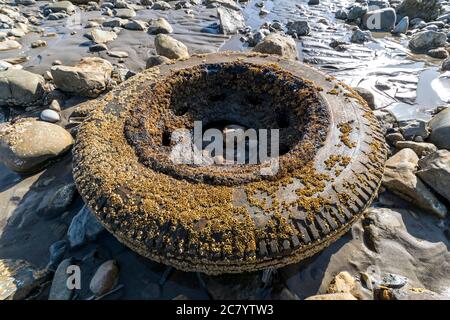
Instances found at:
x=105 y=278
x=50 y=115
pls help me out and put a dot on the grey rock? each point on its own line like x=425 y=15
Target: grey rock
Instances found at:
x=124 y=13
x=435 y=171
x=8 y=44
x=159 y=25
x=118 y=54
x=356 y=12
x=427 y=10
x=386 y=118
x=169 y=47
x=50 y=115
x=156 y=61
x=84 y=227
x=420 y=148
x=88 y=78
x=359 y=36
x=57 y=16
x=277 y=44
x=426 y=40
x=341 y=14
x=440 y=129
x=380 y=20
x=57 y=251
x=400 y=178
x=114 y=23
x=230 y=20
x=300 y=28
x=98 y=47
x=62 y=6
x=60 y=201
x=414 y=128
x=137 y=25
x=402 y=26
x=102 y=36
x=257 y=37
x=393 y=281
x=59 y=289
x=20 y=87
x=28 y=145
x=161 y=5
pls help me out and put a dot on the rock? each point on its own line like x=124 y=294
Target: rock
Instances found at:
x=300 y=28
x=343 y=282
x=386 y=118
x=313 y=2
x=445 y=17
x=446 y=65
x=230 y=4
x=18 y=278
x=124 y=13
x=438 y=53
x=230 y=20
x=84 y=227
x=50 y=115
x=367 y=95
x=420 y=148
x=102 y=36
x=118 y=54
x=440 y=129
x=156 y=61
x=359 y=36
x=60 y=201
x=341 y=14
x=25 y=2
x=402 y=26
x=257 y=37
x=415 y=294
x=276 y=43
x=393 y=138
x=427 y=10
x=159 y=25
x=62 y=6
x=136 y=25
x=333 y=296
x=114 y=23
x=400 y=178
x=356 y=12
x=105 y=278
x=414 y=128
x=55 y=105
x=426 y=40
x=393 y=281
x=59 y=289
x=57 y=251
x=28 y=145
x=20 y=87
x=38 y=44
x=435 y=172
x=6 y=45
x=169 y=47
x=88 y=78
x=161 y=5
x=98 y=47
x=57 y=16
x=15 y=32
x=380 y=20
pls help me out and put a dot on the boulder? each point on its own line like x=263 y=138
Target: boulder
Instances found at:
x=169 y=47
x=88 y=78
x=426 y=40
x=230 y=20
x=400 y=178
x=420 y=148
x=435 y=171
x=356 y=12
x=62 y=6
x=59 y=289
x=359 y=36
x=84 y=227
x=20 y=87
x=276 y=43
x=28 y=145
x=440 y=129
x=427 y=10
x=102 y=36
x=159 y=25
x=124 y=13
x=161 y=5
x=8 y=44
x=300 y=28
x=382 y=20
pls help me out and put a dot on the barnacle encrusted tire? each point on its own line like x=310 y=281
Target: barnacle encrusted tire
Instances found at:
x=229 y=219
